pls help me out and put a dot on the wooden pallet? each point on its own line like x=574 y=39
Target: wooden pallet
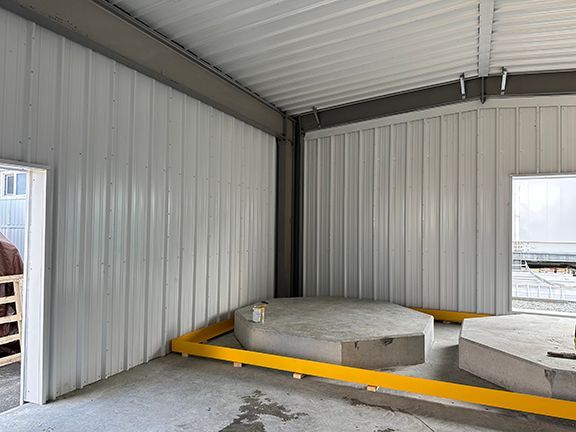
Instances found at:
x=15 y=299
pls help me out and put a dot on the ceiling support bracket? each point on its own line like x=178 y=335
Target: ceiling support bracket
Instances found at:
x=462 y=87
x=522 y=84
x=503 y=82
x=317 y=117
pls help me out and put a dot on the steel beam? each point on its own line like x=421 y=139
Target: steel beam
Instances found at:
x=529 y=84
x=285 y=173
x=105 y=29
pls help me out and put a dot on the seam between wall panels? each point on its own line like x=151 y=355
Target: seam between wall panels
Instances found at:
x=305 y=216
x=331 y=228
x=373 y=219
x=344 y=212
x=559 y=132
x=360 y=211
x=178 y=308
x=130 y=198
x=439 y=210
x=457 y=277
x=148 y=242
x=318 y=207
x=390 y=162
x=499 y=207
x=407 y=129
x=81 y=335
x=330 y=219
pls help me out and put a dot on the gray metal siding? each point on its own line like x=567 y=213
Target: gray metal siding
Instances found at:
x=13 y=221
x=164 y=206
x=420 y=203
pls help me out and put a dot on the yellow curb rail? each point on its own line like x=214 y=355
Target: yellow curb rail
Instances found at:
x=193 y=343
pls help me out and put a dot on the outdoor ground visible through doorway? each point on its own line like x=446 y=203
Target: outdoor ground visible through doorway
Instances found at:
x=9 y=386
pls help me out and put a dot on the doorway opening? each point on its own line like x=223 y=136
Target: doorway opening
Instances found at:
x=23 y=221
x=544 y=244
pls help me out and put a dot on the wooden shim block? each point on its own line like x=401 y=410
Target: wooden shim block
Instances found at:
x=184 y=355
x=10 y=338
x=296 y=375
x=372 y=388
x=236 y=364
x=9 y=359
x=6 y=300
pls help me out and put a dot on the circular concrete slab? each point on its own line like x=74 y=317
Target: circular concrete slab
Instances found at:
x=337 y=330
x=510 y=351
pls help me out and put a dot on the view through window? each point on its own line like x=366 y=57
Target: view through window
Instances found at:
x=544 y=244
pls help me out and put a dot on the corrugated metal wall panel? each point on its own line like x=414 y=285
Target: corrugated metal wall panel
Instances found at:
x=449 y=212
x=337 y=270
x=506 y=164
x=13 y=221
x=486 y=211
x=467 y=216
x=427 y=221
x=567 y=138
x=414 y=178
x=164 y=207
x=382 y=207
x=397 y=211
x=431 y=213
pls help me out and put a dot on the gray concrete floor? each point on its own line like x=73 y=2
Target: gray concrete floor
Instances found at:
x=192 y=394
x=9 y=386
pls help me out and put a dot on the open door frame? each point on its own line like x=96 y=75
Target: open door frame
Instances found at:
x=35 y=344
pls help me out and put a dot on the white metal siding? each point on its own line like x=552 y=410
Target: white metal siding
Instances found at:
x=418 y=206
x=13 y=221
x=164 y=207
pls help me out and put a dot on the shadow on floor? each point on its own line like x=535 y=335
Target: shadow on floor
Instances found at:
x=9 y=386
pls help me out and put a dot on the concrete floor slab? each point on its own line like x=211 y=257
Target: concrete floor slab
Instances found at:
x=510 y=351
x=192 y=394
x=351 y=332
x=9 y=386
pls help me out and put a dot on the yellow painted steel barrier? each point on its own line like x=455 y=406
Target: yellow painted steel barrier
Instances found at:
x=193 y=344
x=442 y=315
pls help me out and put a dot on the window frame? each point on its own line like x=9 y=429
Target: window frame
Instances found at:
x=15 y=194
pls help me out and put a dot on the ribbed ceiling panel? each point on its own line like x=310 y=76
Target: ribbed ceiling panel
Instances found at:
x=303 y=53
x=534 y=35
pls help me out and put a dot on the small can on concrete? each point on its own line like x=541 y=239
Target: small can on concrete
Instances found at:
x=258 y=313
